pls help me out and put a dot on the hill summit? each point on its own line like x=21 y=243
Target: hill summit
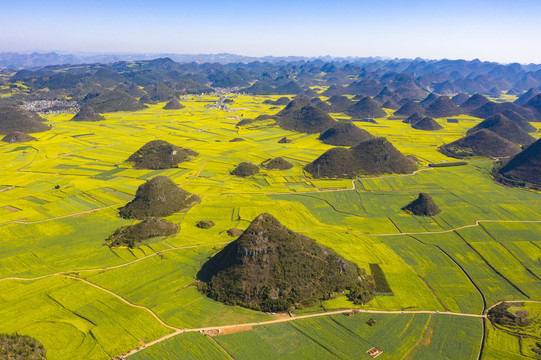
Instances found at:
x=481 y=143
x=173 y=104
x=413 y=118
x=278 y=163
x=475 y=101
x=504 y=127
x=87 y=113
x=112 y=101
x=272 y=268
x=442 y=107
x=423 y=206
x=17 y=137
x=366 y=108
x=426 y=123
x=159 y=154
x=524 y=169
x=158 y=197
x=344 y=134
x=299 y=115
x=245 y=169
x=371 y=157
x=13 y=118
x=520 y=120
x=130 y=235
x=409 y=109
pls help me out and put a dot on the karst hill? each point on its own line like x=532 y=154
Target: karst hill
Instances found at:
x=130 y=235
x=371 y=157
x=112 y=101
x=524 y=169
x=344 y=134
x=366 y=108
x=278 y=163
x=13 y=118
x=17 y=137
x=427 y=123
x=173 y=104
x=272 y=268
x=158 y=197
x=506 y=128
x=423 y=206
x=299 y=115
x=480 y=143
x=87 y=113
x=159 y=154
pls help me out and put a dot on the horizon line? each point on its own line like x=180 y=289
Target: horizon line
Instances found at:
x=345 y=57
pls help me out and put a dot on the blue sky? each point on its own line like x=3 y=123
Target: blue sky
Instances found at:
x=497 y=30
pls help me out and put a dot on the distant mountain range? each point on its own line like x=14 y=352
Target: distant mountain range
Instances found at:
x=13 y=60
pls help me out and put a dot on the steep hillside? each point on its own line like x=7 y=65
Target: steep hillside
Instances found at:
x=372 y=157
x=112 y=101
x=366 y=108
x=344 y=134
x=524 y=169
x=158 y=197
x=423 y=206
x=13 y=118
x=159 y=154
x=480 y=143
x=307 y=119
x=87 y=113
x=506 y=128
x=272 y=268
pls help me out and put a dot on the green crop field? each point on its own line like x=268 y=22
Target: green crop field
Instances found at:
x=59 y=200
x=189 y=346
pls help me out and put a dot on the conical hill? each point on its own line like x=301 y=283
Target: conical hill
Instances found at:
x=13 y=118
x=428 y=100
x=17 y=137
x=344 y=134
x=112 y=101
x=427 y=123
x=278 y=163
x=372 y=157
x=413 y=118
x=480 y=143
x=519 y=120
x=87 y=114
x=442 y=107
x=524 y=169
x=173 y=104
x=423 y=206
x=159 y=154
x=390 y=104
x=158 y=197
x=475 y=101
x=366 y=108
x=339 y=103
x=408 y=109
x=307 y=119
x=527 y=96
x=272 y=268
x=460 y=98
x=504 y=127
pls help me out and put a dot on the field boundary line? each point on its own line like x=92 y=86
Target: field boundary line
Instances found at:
x=60 y=217
x=477 y=223
x=123 y=300
x=300 y=317
x=353 y=187
x=67 y=273
x=196 y=175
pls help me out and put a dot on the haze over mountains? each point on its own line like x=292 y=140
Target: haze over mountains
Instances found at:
x=39 y=59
